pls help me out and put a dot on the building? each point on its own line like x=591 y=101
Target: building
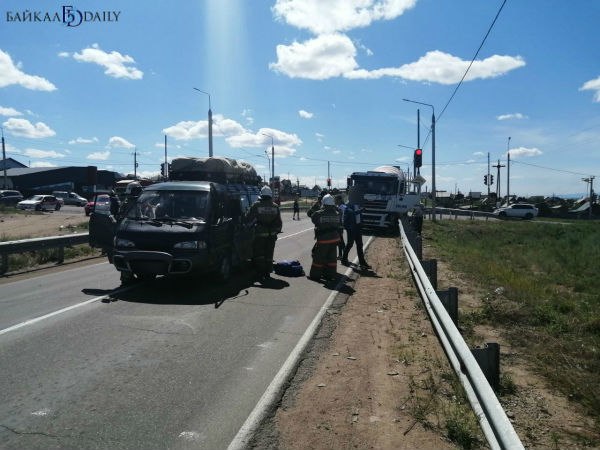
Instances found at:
x=10 y=163
x=39 y=180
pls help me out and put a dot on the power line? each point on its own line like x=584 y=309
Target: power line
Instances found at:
x=550 y=168
x=469 y=67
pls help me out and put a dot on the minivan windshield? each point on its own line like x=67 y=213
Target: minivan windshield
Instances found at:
x=189 y=205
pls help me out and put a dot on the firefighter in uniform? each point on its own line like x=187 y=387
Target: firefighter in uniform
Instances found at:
x=267 y=218
x=316 y=205
x=327 y=233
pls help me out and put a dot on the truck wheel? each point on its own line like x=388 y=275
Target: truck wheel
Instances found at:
x=224 y=270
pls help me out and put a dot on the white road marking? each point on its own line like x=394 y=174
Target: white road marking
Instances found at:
x=60 y=311
x=192 y=436
x=41 y=412
x=271 y=395
x=294 y=234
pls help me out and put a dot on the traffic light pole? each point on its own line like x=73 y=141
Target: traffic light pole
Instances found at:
x=488 y=177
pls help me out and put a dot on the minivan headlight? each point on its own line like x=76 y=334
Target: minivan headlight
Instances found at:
x=124 y=243
x=191 y=245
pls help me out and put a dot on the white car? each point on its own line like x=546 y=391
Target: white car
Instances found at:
x=522 y=210
x=40 y=203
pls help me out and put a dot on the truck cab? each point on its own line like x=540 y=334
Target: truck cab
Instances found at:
x=385 y=196
x=178 y=228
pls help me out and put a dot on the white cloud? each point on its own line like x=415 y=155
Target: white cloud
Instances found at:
x=327 y=147
x=101 y=156
x=115 y=63
x=259 y=166
x=35 y=153
x=592 y=85
x=160 y=144
x=305 y=114
x=148 y=173
x=319 y=135
x=511 y=116
x=478 y=154
x=117 y=141
x=190 y=129
x=283 y=142
x=249 y=119
x=439 y=67
x=326 y=56
x=81 y=140
x=42 y=164
x=523 y=151
x=403 y=159
x=12 y=74
x=363 y=47
x=64 y=54
x=9 y=112
x=23 y=127
x=337 y=15
x=336 y=152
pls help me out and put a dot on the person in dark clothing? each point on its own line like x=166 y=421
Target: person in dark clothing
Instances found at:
x=417 y=218
x=327 y=224
x=296 y=209
x=339 y=202
x=267 y=218
x=353 y=226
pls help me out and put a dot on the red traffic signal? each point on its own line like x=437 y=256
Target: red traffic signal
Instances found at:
x=329 y=182
x=418 y=158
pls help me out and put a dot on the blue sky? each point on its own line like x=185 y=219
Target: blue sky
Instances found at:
x=325 y=78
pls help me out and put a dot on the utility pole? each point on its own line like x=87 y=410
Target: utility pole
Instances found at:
x=418 y=137
x=135 y=164
x=498 y=166
x=4 y=160
x=328 y=176
x=433 y=191
x=590 y=181
x=166 y=171
x=508 y=172
x=488 y=178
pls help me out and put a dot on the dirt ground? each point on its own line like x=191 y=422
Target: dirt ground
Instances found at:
x=376 y=374
x=542 y=417
x=29 y=225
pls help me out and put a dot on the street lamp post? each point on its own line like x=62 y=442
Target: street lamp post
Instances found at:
x=433 y=191
x=210 y=139
x=272 y=158
x=508 y=172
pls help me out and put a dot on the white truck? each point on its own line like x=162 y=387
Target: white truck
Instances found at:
x=386 y=196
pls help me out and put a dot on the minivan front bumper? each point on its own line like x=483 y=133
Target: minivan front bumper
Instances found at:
x=153 y=262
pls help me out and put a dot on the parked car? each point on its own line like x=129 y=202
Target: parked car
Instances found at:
x=522 y=210
x=10 y=197
x=103 y=200
x=40 y=203
x=70 y=198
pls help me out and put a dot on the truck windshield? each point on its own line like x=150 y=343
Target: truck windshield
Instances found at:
x=375 y=186
x=190 y=205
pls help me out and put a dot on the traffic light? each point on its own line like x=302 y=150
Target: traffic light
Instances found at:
x=485 y=180
x=491 y=179
x=418 y=158
x=328 y=182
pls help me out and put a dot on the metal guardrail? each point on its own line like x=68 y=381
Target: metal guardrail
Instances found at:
x=440 y=212
x=28 y=245
x=494 y=423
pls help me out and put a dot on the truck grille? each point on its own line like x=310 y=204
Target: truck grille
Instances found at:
x=375 y=205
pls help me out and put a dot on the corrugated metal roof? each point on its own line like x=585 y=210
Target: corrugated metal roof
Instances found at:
x=29 y=170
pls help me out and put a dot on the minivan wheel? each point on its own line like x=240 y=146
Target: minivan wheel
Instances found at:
x=38 y=207
x=224 y=271
x=502 y=215
x=528 y=216
x=57 y=207
x=127 y=278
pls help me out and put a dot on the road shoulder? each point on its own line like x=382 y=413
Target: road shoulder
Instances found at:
x=374 y=375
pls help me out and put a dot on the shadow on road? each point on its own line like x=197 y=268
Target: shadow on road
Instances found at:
x=199 y=290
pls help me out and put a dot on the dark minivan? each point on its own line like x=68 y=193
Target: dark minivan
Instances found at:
x=178 y=228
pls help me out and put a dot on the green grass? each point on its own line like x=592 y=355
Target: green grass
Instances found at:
x=5 y=209
x=550 y=301
x=28 y=260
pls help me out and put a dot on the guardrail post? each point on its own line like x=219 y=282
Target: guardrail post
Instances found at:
x=488 y=359
x=449 y=299
x=61 y=255
x=430 y=267
x=4 y=264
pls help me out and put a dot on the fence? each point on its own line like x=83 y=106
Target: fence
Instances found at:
x=494 y=423
x=28 y=245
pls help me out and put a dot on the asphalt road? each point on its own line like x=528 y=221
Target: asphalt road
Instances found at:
x=167 y=364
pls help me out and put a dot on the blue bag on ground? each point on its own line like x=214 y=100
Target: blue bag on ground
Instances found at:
x=288 y=268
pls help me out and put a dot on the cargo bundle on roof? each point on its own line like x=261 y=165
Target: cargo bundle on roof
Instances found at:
x=217 y=169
